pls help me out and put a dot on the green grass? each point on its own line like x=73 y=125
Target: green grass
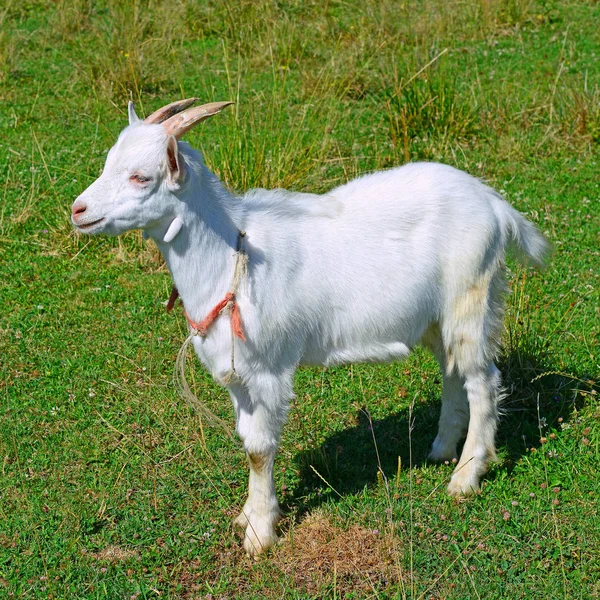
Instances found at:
x=110 y=486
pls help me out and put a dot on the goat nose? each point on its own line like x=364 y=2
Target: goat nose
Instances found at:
x=78 y=209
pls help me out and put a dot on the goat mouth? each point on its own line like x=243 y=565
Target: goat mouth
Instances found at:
x=91 y=224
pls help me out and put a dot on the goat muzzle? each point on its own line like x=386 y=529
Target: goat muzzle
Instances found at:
x=78 y=210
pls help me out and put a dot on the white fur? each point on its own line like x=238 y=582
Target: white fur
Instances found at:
x=364 y=273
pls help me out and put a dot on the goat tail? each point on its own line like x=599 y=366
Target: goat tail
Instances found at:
x=527 y=243
x=186 y=393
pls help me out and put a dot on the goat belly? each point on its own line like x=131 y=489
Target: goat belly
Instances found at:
x=376 y=352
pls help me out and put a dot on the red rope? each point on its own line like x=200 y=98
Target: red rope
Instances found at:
x=236 y=321
x=172 y=298
x=202 y=327
x=211 y=317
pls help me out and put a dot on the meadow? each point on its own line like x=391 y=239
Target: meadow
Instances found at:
x=111 y=486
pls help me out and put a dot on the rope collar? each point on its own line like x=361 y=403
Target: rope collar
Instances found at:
x=228 y=303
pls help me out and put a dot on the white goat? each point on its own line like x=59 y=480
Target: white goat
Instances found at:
x=364 y=273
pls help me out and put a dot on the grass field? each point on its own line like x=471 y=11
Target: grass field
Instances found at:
x=110 y=485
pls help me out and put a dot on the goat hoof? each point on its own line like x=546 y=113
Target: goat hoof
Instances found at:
x=257 y=541
x=463 y=484
x=442 y=449
x=458 y=491
x=442 y=454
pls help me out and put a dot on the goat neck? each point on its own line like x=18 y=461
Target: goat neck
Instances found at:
x=201 y=256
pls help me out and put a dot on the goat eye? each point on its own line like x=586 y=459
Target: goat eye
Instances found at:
x=138 y=178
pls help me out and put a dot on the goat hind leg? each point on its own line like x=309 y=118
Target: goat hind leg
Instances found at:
x=454 y=418
x=479 y=449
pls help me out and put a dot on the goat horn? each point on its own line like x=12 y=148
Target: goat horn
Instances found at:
x=168 y=111
x=180 y=124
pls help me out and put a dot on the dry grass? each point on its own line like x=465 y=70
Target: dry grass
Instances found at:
x=358 y=559
x=142 y=52
x=114 y=554
x=7 y=45
x=317 y=557
x=581 y=116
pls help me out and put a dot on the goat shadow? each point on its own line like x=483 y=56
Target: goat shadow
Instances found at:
x=349 y=460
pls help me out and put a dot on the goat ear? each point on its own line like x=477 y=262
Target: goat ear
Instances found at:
x=133 y=118
x=174 y=164
x=180 y=124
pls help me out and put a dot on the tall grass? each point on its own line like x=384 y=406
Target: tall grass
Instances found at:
x=140 y=43
x=262 y=145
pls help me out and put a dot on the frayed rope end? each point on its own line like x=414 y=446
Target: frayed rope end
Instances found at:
x=186 y=393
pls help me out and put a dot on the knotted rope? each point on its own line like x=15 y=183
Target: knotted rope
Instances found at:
x=228 y=304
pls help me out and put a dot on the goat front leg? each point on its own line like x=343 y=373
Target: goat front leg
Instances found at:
x=259 y=424
x=261 y=511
